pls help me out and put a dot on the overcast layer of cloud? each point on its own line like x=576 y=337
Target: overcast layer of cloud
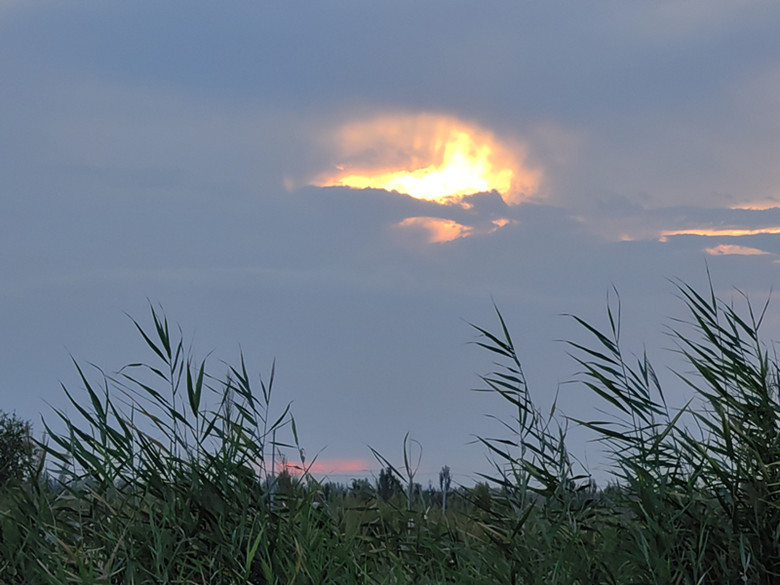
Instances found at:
x=161 y=151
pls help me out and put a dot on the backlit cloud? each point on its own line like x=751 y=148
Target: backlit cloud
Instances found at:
x=499 y=223
x=439 y=230
x=731 y=249
x=758 y=205
x=431 y=157
x=719 y=232
x=436 y=229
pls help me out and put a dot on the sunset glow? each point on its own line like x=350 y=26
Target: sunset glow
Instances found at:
x=715 y=232
x=758 y=205
x=437 y=229
x=729 y=249
x=429 y=157
x=500 y=222
x=329 y=467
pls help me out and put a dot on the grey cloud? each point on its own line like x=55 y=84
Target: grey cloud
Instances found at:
x=651 y=94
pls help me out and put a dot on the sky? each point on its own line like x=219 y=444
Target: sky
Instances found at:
x=272 y=174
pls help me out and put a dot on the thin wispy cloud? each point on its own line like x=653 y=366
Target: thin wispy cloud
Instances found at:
x=718 y=232
x=758 y=205
x=733 y=249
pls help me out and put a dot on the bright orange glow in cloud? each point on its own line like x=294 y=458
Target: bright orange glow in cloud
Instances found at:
x=430 y=157
x=714 y=232
x=727 y=249
x=438 y=229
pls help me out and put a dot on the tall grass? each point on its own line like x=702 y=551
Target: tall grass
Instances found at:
x=160 y=474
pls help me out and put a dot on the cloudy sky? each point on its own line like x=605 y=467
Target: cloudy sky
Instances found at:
x=275 y=176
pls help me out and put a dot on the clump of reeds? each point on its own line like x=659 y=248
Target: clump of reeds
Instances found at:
x=696 y=497
x=162 y=476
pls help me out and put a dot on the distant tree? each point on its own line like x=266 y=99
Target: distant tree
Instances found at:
x=16 y=448
x=431 y=496
x=361 y=489
x=285 y=484
x=481 y=496
x=328 y=489
x=444 y=483
x=387 y=485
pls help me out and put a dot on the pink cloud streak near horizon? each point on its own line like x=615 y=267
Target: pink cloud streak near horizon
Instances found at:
x=337 y=466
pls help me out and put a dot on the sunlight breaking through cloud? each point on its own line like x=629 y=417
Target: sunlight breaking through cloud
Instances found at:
x=430 y=157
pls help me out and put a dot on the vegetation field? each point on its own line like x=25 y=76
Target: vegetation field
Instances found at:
x=165 y=476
